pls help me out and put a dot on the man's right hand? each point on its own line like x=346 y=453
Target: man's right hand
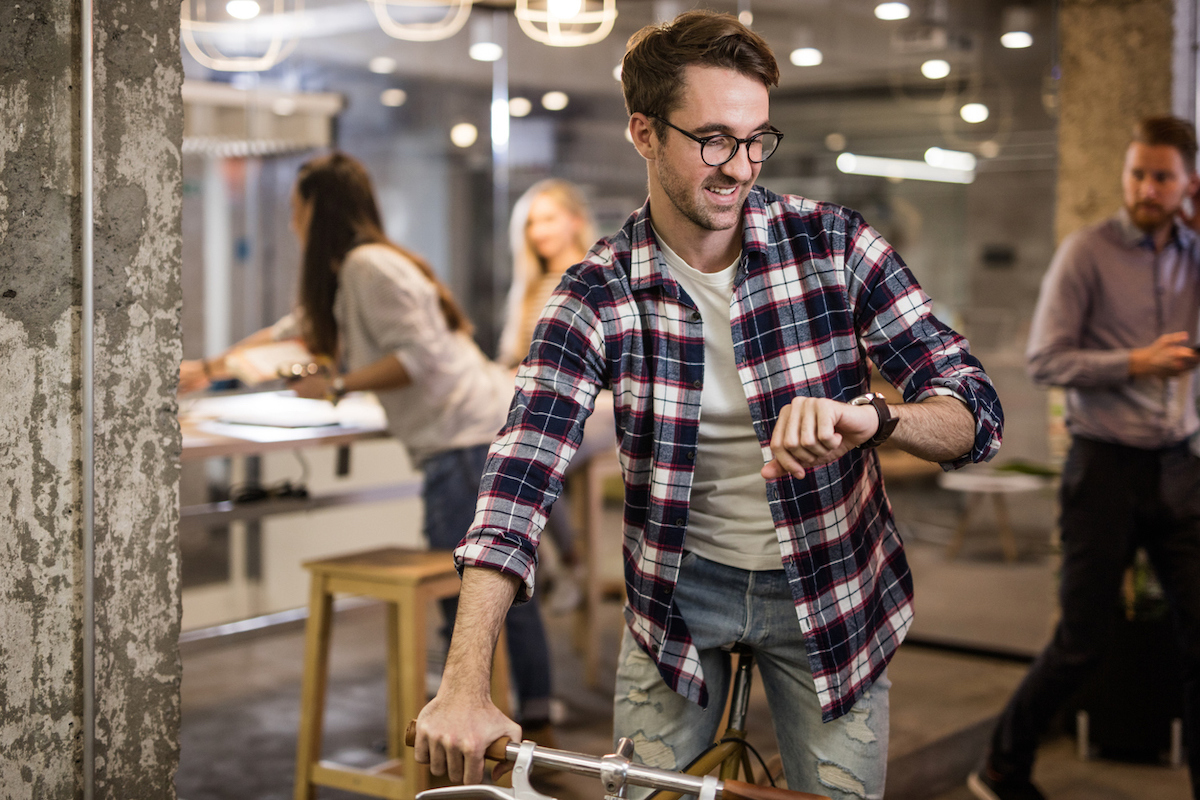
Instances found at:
x=454 y=732
x=1171 y=354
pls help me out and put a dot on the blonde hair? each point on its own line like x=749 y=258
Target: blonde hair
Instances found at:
x=528 y=266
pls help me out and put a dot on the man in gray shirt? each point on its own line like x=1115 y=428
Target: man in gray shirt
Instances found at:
x=1115 y=324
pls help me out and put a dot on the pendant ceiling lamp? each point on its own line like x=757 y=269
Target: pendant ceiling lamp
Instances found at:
x=566 y=23
x=454 y=15
x=201 y=36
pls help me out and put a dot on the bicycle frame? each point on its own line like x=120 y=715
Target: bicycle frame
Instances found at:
x=729 y=753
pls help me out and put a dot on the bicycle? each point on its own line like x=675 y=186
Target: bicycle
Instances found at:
x=727 y=756
x=616 y=771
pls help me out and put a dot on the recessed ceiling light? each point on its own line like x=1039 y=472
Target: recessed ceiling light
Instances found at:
x=892 y=11
x=835 y=142
x=519 y=106
x=382 y=65
x=393 y=98
x=242 y=9
x=989 y=149
x=746 y=17
x=1016 y=40
x=464 y=134
x=973 y=112
x=555 y=101
x=935 y=69
x=486 y=51
x=806 y=57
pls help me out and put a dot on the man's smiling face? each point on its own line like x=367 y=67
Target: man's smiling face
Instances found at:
x=715 y=100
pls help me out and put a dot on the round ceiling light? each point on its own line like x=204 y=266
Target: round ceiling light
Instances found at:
x=393 y=98
x=806 y=57
x=519 y=106
x=892 y=11
x=242 y=9
x=935 y=69
x=555 y=101
x=464 y=134
x=974 y=113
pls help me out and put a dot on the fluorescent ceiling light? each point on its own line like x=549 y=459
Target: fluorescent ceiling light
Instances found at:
x=464 y=134
x=974 y=113
x=382 y=65
x=519 y=106
x=242 y=9
x=892 y=11
x=555 y=101
x=900 y=168
x=806 y=57
x=393 y=98
x=935 y=69
x=1016 y=40
x=950 y=159
x=485 y=51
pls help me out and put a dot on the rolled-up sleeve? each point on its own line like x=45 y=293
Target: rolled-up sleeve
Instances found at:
x=913 y=349
x=556 y=390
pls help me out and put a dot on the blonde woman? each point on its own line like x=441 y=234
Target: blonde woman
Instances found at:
x=550 y=231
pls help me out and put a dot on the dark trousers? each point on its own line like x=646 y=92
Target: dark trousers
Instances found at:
x=1114 y=500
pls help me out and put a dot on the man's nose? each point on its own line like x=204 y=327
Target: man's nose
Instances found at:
x=739 y=167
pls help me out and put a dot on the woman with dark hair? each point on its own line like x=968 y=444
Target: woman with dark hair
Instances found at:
x=380 y=313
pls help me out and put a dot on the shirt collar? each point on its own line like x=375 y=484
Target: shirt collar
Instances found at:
x=645 y=266
x=1132 y=236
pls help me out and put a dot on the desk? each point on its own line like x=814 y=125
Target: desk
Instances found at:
x=264 y=578
x=210 y=431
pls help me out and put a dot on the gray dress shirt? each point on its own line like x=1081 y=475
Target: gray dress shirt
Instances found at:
x=1106 y=293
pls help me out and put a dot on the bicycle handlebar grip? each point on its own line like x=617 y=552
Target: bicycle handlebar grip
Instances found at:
x=740 y=790
x=496 y=751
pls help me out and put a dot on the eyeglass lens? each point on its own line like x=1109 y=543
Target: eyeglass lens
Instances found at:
x=719 y=149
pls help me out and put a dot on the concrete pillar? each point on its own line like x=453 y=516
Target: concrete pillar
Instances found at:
x=138 y=183
x=1116 y=60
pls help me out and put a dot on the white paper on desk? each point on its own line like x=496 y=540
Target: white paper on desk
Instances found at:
x=256 y=433
x=276 y=410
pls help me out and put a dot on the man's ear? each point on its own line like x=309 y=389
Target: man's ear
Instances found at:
x=643 y=136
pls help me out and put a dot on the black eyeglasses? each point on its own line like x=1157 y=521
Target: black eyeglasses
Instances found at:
x=719 y=148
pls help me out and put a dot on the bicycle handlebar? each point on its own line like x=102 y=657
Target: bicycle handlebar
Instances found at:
x=504 y=749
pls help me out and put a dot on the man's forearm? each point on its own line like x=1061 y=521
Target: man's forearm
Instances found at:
x=938 y=428
x=483 y=603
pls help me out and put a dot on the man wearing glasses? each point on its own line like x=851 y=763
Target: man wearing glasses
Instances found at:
x=734 y=327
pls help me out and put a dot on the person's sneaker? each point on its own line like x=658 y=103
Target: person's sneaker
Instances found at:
x=985 y=787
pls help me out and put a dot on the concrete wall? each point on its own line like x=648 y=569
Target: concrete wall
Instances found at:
x=1116 y=67
x=138 y=133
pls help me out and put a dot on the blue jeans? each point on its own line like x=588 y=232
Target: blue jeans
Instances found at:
x=451 y=486
x=722 y=605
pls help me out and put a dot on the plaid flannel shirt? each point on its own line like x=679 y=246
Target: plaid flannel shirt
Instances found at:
x=817 y=292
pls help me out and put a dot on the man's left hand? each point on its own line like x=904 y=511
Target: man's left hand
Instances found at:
x=812 y=431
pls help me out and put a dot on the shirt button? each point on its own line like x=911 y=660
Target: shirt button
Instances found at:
x=691 y=455
x=697 y=384
x=679 y=522
x=695 y=316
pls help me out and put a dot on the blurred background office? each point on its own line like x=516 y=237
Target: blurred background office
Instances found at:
x=973 y=134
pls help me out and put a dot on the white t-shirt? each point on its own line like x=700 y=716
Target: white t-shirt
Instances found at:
x=384 y=304
x=729 y=521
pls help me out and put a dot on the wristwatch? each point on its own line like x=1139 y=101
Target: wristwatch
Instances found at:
x=887 y=420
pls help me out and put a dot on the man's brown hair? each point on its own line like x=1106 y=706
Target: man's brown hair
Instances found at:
x=655 y=58
x=1169 y=132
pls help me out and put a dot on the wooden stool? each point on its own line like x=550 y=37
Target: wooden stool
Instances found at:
x=408 y=580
